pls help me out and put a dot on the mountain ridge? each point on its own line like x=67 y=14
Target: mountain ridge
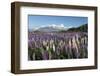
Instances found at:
x=82 y=28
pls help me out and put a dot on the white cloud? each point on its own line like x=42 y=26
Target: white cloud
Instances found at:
x=57 y=26
x=62 y=25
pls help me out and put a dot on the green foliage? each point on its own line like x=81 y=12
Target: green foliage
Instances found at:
x=82 y=28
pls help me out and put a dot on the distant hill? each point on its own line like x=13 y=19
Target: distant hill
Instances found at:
x=82 y=28
x=50 y=29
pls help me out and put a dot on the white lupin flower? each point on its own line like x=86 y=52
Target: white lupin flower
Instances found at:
x=75 y=45
x=77 y=39
x=47 y=47
x=70 y=43
x=74 y=42
x=82 y=40
x=44 y=43
x=53 y=47
x=86 y=40
x=51 y=41
x=33 y=56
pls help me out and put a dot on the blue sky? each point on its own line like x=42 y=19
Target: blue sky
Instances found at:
x=36 y=21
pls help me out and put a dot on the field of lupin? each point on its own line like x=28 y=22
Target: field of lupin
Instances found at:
x=54 y=45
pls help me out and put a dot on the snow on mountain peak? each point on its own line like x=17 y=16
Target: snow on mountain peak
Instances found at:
x=61 y=26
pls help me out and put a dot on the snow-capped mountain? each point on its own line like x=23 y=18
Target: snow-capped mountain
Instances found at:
x=52 y=28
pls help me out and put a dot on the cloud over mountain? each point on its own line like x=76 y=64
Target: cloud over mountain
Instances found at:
x=61 y=26
x=52 y=28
